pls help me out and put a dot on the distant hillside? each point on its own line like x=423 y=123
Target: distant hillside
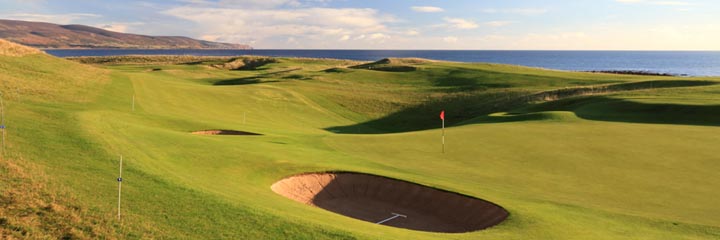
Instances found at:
x=48 y=35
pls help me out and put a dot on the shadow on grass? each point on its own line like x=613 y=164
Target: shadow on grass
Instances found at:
x=621 y=110
x=467 y=80
x=425 y=116
x=600 y=108
x=242 y=81
x=259 y=78
x=584 y=102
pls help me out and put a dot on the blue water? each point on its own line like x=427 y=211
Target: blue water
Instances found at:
x=691 y=63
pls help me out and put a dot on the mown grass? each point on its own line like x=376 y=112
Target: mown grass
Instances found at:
x=586 y=162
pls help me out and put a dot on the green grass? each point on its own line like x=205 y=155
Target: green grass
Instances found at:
x=633 y=160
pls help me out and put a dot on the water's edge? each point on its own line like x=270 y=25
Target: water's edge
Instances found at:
x=690 y=63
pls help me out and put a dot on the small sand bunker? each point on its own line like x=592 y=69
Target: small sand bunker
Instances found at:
x=224 y=132
x=391 y=202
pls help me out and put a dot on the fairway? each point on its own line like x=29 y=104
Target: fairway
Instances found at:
x=568 y=155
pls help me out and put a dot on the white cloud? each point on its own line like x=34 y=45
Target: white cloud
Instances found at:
x=122 y=27
x=379 y=36
x=460 y=23
x=412 y=32
x=450 y=39
x=427 y=9
x=497 y=23
x=210 y=37
x=521 y=11
x=672 y=3
x=267 y=26
x=607 y=37
x=344 y=38
x=265 y=4
x=51 y=18
x=664 y=3
x=115 y=27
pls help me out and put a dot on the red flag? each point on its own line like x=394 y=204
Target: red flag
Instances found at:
x=442 y=115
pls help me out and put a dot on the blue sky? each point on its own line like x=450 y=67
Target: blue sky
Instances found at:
x=401 y=24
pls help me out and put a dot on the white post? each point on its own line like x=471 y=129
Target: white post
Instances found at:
x=119 y=187
x=2 y=126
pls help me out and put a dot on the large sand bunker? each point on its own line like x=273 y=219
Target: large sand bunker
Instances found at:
x=391 y=202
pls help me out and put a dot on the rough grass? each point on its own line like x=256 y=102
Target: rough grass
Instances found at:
x=43 y=77
x=147 y=59
x=32 y=208
x=11 y=49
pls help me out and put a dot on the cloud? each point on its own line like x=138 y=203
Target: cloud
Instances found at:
x=460 y=23
x=427 y=9
x=412 y=32
x=521 y=11
x=51 y=18
x=267 y=26
x=379 y=36
x=450 y=39
x=497 y=23
x=260 y=4
x=266 y=4
x=663 y=3
x=122 y=27
x=115 y=27
x=672 y=3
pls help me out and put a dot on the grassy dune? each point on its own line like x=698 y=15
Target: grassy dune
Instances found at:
x=569 y=155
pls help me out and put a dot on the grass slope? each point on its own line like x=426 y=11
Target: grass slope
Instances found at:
x=618 y=163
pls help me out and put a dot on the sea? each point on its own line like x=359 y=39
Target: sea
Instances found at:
x=684 y=63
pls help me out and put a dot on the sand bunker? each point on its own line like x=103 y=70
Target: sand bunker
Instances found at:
x=224 y=132
x=391 y=202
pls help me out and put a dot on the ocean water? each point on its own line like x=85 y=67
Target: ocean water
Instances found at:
x=690 y=63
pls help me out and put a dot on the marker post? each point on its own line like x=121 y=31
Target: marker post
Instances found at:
x=2 y=126
x=119 y=179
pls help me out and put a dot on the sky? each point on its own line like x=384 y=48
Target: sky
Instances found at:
x=401 y=24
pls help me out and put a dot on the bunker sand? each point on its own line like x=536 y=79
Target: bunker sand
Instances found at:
x=375 y=199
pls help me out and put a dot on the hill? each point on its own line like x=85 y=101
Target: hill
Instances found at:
x=569 y=155
x=48 y=35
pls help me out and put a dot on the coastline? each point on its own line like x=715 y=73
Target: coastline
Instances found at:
x=685 y=64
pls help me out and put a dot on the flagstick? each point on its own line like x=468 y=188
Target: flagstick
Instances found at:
x=443 y=135
x=119 y=187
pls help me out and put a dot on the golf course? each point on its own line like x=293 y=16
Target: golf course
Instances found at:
x=554 y=154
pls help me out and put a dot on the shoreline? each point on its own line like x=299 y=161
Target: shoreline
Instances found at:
x=694 y=64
